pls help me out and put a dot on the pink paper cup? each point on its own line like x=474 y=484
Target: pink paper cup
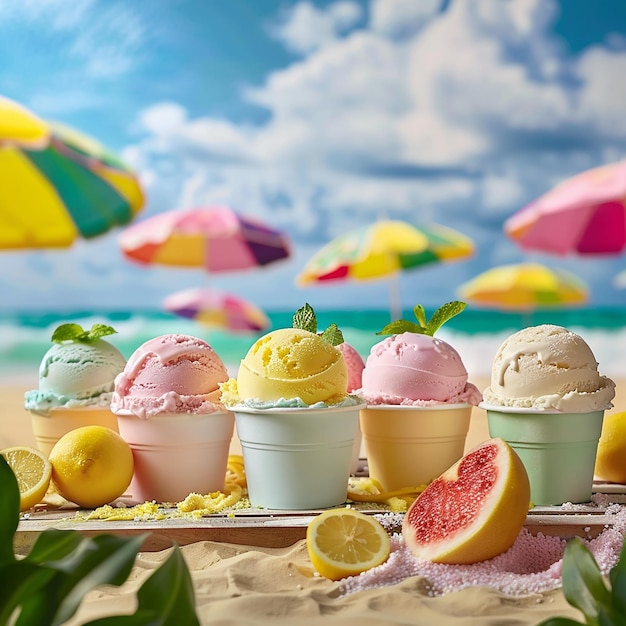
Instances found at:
x=408 y=446
x=177 y=454
x=48 y=429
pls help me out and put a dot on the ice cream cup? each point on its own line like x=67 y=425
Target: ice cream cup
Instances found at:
x=297 y=458
x=48 y=429
x=558 y=449
x=408 y=446
x=177 y=454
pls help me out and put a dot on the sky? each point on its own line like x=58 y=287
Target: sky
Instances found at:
x=319 y=117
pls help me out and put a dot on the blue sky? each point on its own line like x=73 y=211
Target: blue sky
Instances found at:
x=319 y=117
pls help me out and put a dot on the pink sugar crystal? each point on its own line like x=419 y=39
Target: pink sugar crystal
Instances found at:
x=532 y=565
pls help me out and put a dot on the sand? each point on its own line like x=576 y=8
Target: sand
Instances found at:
x=238 y=584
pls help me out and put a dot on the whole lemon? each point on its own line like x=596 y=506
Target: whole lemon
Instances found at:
x=91 y=466
x=611 y=456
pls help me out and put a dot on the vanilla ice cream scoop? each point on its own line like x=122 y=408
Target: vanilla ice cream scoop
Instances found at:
x=286 y=364
x=548 y=367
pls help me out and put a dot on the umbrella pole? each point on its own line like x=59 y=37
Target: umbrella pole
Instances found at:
x=395 y=304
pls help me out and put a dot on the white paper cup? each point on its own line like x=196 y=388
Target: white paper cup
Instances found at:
x=48 y=429
x=407 y=446
x=297 y=458
x=177 y=454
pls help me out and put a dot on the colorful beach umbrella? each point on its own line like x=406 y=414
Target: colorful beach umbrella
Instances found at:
x=524 y=286
x=384 y=248
x=217 y=309
x=19 y=126
x=215 y=238
x=584 y=215
x=67 y=188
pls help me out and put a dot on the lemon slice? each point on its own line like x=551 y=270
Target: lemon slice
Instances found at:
x=345 y=542
x=32 y=470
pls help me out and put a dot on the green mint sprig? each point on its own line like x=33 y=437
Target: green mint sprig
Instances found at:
x=304 y=319
x=585 y=589
x=75 y=332
x=424 y=327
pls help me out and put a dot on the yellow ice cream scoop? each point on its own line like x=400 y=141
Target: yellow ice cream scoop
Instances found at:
x=293 y=363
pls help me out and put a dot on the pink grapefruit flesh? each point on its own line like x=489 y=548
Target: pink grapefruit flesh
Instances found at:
x=474 y=511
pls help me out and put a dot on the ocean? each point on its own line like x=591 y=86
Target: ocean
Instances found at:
x=476 y=334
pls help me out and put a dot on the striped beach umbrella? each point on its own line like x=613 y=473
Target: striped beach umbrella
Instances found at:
x=524 y=286
x=59 y=185
x=215 y=238
x=217 y=309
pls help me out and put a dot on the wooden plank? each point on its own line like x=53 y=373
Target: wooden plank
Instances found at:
x=270 y=528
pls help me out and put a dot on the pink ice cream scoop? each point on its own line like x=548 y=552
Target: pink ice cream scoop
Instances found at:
x=170 y=374
x=415 y=369
x=354 y=364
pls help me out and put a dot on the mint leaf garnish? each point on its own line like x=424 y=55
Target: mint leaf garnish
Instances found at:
x=75 y=332
x=333 y=335
x=442 y=315
x=430 y=327
x=304 y=319
x=420 y=314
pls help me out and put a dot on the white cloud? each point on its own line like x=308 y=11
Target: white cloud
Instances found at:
x=473 y=113
x=399 y=18
x=305 y=28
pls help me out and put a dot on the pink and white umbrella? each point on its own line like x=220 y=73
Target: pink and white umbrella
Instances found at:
x=583 y=215
x=217 y=309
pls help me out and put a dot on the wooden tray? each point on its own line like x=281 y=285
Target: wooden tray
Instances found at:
x=271 y=528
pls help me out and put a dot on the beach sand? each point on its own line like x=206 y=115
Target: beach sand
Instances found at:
x=241 y=585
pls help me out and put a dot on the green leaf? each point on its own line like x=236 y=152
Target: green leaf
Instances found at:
x=583 y=584
x=97 y=331
x=10 y=507
x=439 y=318
x=333 y=335
x=53 y=545
x=20 y=583
x=165 y=599
x=75 y=332
x=304 y=318
x=420 y=315
x=442 y=315
x=617 y=577
x=100 y=560
x=67 y=332
x=401 y=326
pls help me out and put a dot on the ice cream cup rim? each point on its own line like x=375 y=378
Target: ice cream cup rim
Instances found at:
x=498 y=408
x=442 y=406
x=242 y=408
x=165 y=415
x=86 y=407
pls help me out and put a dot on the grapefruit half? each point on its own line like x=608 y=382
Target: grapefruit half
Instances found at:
x=474 y=511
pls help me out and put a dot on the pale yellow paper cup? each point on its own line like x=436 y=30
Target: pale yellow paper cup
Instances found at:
x=48 y=429
x=177 y=454
x=407 y=446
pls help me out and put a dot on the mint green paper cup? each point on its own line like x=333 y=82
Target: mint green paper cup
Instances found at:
x=558 y=450
x=297 y=458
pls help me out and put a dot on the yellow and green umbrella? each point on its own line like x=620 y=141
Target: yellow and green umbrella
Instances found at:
x=58 y=184
x=384 y=248
x=524 y=287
